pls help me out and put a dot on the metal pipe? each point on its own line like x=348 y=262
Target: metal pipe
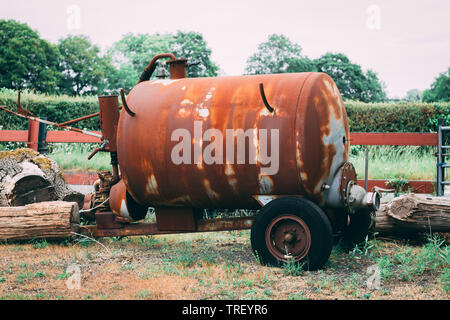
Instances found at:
x=366 y=169
x=147 y=73
x=80 y=119
x=125 y=105
x=51 y=123
x=264 y=99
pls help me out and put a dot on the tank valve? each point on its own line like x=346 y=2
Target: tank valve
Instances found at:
x=358 y=198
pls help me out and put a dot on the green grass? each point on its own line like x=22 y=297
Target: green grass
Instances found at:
x=75 y=157
x=388 y=162
x=21 y=278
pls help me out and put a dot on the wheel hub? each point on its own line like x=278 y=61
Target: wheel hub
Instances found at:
x=288 y=237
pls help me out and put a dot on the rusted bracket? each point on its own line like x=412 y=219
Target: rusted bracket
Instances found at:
x=264 y=99
x=101 y=148
x=124 y=103
x=21 y=110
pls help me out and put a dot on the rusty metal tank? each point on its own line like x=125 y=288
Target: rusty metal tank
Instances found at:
x=308 y=119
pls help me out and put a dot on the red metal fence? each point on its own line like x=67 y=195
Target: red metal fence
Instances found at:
x=30 y=136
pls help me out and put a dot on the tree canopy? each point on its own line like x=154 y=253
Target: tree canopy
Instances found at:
x=83 y=69
x=274 y=56
x=351 y=81
x=132 y=53
x=279 y=54
x=76 y=66
x=440 y=89
x=26 y=60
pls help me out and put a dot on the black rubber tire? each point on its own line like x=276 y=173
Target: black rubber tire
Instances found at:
x=312 y=215
x=360 y=226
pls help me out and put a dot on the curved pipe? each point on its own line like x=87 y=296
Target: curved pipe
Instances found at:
x=264 y=99
x=124 y=103
x=148 y=71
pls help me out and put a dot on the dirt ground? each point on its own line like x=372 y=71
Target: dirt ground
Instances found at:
x=217 y=266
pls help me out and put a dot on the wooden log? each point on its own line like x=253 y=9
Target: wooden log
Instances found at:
x=49 y=220
x=412 y=214
x=27 y=177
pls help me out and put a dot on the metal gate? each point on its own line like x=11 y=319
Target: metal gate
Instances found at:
x=443 y=151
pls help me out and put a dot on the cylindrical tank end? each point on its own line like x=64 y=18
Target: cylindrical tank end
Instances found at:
x=344 y=192
x=123 y=205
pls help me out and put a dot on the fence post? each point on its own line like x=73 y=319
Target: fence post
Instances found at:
x=42 y=144
x=33 y=135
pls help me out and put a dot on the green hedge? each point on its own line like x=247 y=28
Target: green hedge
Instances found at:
x=396 y=117
x=54 y=108
x=363 y=117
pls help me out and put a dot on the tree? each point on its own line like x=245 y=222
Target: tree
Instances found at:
x=413 y=95
x=301 y=65
x=132 y=53
x=439 y=90
x=26 y=60
x=83 y=69
x=351 y=81
x=192 y=46
x=277 y=55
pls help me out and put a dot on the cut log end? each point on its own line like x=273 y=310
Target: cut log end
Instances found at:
x=28 y=177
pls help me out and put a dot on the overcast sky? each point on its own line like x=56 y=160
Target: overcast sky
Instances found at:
x=406 y=42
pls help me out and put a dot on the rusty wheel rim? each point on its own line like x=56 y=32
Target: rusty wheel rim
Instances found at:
x=288 y=237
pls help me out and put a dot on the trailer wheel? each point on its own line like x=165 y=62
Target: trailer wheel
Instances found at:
x=292 y=229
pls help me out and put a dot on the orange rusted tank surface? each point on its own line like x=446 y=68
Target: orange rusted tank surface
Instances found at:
x=308 y=119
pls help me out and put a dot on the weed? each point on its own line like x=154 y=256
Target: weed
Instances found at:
x=143 y=294
x=233 y=268
x=62 y=276
x=184 y=256
x=296 y=296
x=15 y=296
x=128 y=266
x=45 y=262
x=21 y=278
x=292 y=268
x=267 y=293
x=266 y=280
x=6 y=271
x=148 y=241
x=398 y=184
x=386 y=266
x=88 y=254
x=444 y=280
x=40 y=244
x=365 y=295
x=40 y=296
